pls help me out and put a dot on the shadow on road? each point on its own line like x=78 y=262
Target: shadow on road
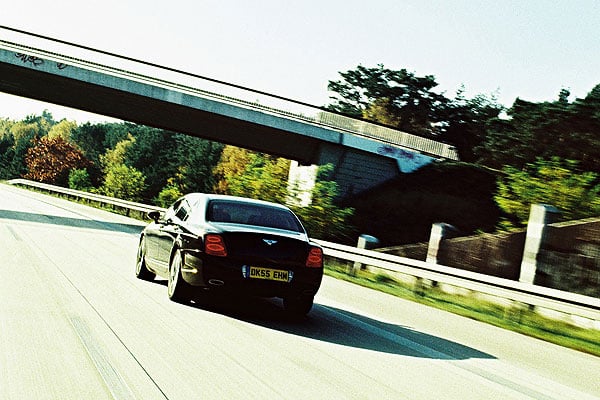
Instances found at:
x=70 y=222
x=342 y=327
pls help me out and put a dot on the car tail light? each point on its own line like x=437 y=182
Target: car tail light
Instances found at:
x=215 y=245
x=315 y=258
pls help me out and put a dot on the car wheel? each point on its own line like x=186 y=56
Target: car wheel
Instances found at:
x=177 y=289
x=297 y=307
x=141 y=271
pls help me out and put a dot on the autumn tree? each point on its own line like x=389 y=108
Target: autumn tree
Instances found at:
x=233 y=162
x=49 y=160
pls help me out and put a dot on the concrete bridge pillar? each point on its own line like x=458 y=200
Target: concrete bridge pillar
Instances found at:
x=356 y=170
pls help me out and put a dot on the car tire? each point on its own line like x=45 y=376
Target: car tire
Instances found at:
x=178 y=290
x=297 y=306
x=141 y=271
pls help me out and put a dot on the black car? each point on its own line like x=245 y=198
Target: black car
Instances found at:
x=207 y=242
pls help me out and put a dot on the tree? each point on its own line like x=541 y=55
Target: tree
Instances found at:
x=545 y=130
x=22 y=137
x=43 y=123
x=232 y=163
x=51 y=159
x=196 y=159
x=7 y=149
x=79 y=179
x=323 y=218
x=260 y=176
x=63 y=129
x=168 y=195
x=554 y=182
x=152 y=152
x=466 y=123
x=124 y=182
x=399 y=98
x=121 y=181
x=265 y=177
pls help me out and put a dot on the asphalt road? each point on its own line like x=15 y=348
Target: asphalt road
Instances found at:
x=76 y=324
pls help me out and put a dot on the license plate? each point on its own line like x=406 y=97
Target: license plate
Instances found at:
x=269 y=274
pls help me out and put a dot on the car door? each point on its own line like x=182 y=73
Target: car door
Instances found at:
x=170 y=230
x=153 y=236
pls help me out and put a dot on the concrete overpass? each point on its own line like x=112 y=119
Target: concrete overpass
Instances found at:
x=363 y=154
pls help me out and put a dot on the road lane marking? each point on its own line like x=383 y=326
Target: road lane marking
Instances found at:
x=14 y=233
x=113 y=380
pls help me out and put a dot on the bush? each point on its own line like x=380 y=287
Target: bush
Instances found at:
x=167 y=196
x=79 y=179
x=555 y=182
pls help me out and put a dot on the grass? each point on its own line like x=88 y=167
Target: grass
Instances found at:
x=517 y=318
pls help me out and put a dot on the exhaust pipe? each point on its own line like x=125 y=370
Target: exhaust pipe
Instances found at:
x=216 y=282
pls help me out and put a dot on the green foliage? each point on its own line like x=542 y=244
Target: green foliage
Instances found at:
x=23 y=135
x=264 y=177
x=553 y=182
x=545 y=130
x=232 y=163
x=466 y=122
x=63 y=129
x=196 y=159
x=323 y=218
x=167 y=196
x=116 y=156
x=124 y=182
x=399 y=98
x=79 y=179
x=121 y=181
x=161 y=155
x=405 y=101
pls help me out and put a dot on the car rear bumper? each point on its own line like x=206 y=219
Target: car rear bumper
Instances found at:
x=223 y=274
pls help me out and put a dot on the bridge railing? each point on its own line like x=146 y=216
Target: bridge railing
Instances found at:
x=66 y=53
x=572 y=304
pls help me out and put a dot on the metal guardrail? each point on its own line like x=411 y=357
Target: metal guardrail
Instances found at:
x=219 y=90
x=532 y=295
x=125 y=205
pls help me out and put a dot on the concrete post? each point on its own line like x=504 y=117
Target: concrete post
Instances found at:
x=439 y=233
x=539 y=217
x=364 y=242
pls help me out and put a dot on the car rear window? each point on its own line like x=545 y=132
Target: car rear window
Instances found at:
x=252 y=214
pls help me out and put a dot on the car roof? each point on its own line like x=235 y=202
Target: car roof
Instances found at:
x=210 y=196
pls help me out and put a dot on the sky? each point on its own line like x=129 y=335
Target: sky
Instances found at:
x=527 y=48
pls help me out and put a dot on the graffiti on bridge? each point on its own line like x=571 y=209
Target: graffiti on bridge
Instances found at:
x=36 y=61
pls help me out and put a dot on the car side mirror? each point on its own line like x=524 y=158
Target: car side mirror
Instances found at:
x=154 y=215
